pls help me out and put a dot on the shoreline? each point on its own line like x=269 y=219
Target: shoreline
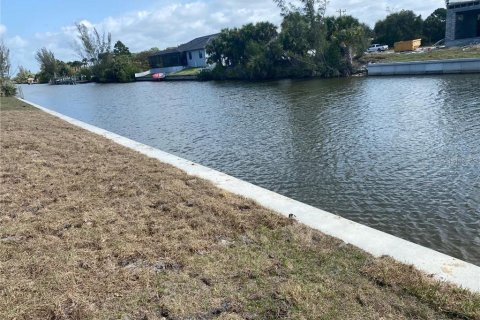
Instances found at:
x=125 y=226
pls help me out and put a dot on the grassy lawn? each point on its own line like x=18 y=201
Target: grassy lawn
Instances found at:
x=435 y=54
x=11 y=103
x=93 y=230
x=187 y=72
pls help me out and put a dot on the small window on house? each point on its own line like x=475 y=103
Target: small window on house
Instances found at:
x=190 y=56
x=200 y=54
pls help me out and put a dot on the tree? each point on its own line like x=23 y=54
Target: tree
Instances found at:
x=120 y=49
x=309 y=44
x=307 y=19
x=294 y=35
x=75 y=65
x=4 y=61
x=7 y=87
x=23 y=75
x=122 y=69
x=399 y=26
x=117 y=66
x=141 y=58
x=96 y=49
x=302 y=54
x=225 y=49
x=92 y=45
x=434 y=26
x=312 y=9
x=313 y=12
x=350 y=35
x=48 y=64
x=64 y=69
x=245 y=52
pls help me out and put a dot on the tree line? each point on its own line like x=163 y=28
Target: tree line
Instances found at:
x=406 y=25
x=309 y=43
x=99 y=61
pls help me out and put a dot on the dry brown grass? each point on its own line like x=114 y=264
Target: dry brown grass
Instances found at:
x=92 y=230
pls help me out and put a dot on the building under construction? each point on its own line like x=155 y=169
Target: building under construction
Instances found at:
x=463 y=23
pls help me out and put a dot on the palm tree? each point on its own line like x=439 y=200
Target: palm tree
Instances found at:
x=349 y=39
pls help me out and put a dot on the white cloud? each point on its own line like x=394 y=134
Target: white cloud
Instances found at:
x=372 y=11
x=18 y=52
x=176 y=23
x=16 y=42
x=170 y=23
x=3 y=29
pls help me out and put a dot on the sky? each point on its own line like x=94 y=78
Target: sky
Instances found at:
x=28 y=25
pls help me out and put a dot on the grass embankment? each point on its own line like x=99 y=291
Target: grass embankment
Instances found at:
x=187 y=72
x=423 y=55
x=90 y=229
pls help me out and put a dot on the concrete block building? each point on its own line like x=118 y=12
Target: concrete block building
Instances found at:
x=463 y=23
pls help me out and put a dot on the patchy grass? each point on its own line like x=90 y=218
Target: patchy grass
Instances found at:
x=434 y=54
x=187 y=72
x=92 y=230
x=11 y=103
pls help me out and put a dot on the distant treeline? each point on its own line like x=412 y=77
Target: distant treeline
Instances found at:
x=406 y=25
x=308 y=44
x=99 y=62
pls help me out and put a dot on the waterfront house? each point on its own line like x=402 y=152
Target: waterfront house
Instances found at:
x=188 y=55
x=463 y=23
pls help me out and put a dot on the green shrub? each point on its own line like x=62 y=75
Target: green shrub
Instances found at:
x=7 y=88
x=205 y=75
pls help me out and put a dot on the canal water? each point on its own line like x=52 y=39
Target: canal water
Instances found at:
x=401 y=154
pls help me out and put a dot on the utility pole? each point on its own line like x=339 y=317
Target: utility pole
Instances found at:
x=341 y=12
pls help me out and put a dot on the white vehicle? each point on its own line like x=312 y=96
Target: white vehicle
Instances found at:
x=377 y=47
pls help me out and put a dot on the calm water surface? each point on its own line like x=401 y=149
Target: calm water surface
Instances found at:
x=399 y=154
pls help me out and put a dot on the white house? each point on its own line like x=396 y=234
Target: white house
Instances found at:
x=190 y=54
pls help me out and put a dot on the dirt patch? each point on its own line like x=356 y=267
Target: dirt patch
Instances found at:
x=92 y=230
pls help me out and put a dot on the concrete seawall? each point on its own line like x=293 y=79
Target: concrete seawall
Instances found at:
x=470 y=65
x=181 y=78
x=376 y=242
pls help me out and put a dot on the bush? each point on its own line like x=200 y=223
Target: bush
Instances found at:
x=7 y=88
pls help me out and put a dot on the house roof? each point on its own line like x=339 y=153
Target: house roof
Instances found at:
x=195 y=44
x=166 y=51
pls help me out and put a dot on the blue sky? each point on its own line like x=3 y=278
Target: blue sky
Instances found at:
x=51 y=15
x=27 y=25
